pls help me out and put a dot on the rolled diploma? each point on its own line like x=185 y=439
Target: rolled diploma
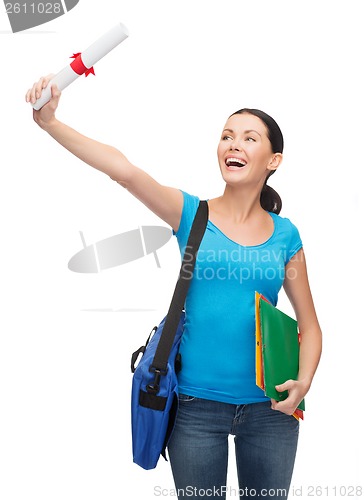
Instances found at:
x=90 y=56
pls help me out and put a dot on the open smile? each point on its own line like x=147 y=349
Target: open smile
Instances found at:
x=234 y=163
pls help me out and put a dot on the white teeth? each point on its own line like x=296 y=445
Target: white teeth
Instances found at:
x=235 y=160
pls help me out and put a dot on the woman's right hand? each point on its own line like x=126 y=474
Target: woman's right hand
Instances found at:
x=46 y=114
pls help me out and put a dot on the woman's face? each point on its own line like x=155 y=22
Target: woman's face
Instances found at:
x=244 y=151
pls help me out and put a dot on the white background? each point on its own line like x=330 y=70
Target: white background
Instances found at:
x=162 y=97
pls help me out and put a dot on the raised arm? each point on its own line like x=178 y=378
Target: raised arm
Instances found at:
x=166 y=202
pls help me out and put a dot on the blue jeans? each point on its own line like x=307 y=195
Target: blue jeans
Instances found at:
x=265 y=449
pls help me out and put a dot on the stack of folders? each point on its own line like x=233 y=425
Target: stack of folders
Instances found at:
x=277 y=350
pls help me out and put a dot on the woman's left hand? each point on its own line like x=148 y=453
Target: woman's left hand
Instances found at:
x=296 y=392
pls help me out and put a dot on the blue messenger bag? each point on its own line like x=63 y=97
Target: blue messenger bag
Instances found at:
x=154 y=399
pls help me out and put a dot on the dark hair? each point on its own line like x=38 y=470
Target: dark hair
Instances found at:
x=269 y=198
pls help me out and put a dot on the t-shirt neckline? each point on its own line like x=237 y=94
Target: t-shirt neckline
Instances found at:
x=249 y=246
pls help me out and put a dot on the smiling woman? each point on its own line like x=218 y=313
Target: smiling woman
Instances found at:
x=266 y=127
x=247 y=247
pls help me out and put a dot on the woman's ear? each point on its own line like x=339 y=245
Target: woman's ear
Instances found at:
x=275 y=161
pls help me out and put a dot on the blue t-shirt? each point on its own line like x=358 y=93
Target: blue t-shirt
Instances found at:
x=218 y=342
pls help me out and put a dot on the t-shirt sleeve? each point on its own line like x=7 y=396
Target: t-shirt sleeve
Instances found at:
x=190 y=206
x=294 y=242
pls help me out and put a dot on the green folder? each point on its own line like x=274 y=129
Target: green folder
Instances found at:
x=279 y=350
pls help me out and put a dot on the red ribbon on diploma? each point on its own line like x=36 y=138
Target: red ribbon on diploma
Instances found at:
x=78 y=66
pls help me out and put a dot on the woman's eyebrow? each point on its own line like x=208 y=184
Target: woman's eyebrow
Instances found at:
x=252 y=130
x=245 y=131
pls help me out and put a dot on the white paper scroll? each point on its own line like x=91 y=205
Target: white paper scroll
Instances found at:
x=85 y=60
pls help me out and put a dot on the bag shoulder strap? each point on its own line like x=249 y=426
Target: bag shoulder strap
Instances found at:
x=160 y=360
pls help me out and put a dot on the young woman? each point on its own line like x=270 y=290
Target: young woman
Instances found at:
x=247 y=247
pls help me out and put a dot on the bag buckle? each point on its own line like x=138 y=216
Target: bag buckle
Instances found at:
x=153 y=388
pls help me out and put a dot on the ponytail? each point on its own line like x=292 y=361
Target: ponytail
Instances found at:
x=269 y=198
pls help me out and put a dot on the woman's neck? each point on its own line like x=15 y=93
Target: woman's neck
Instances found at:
x=239 y=205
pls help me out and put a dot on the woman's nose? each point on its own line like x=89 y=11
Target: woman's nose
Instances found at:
x=235 y=144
